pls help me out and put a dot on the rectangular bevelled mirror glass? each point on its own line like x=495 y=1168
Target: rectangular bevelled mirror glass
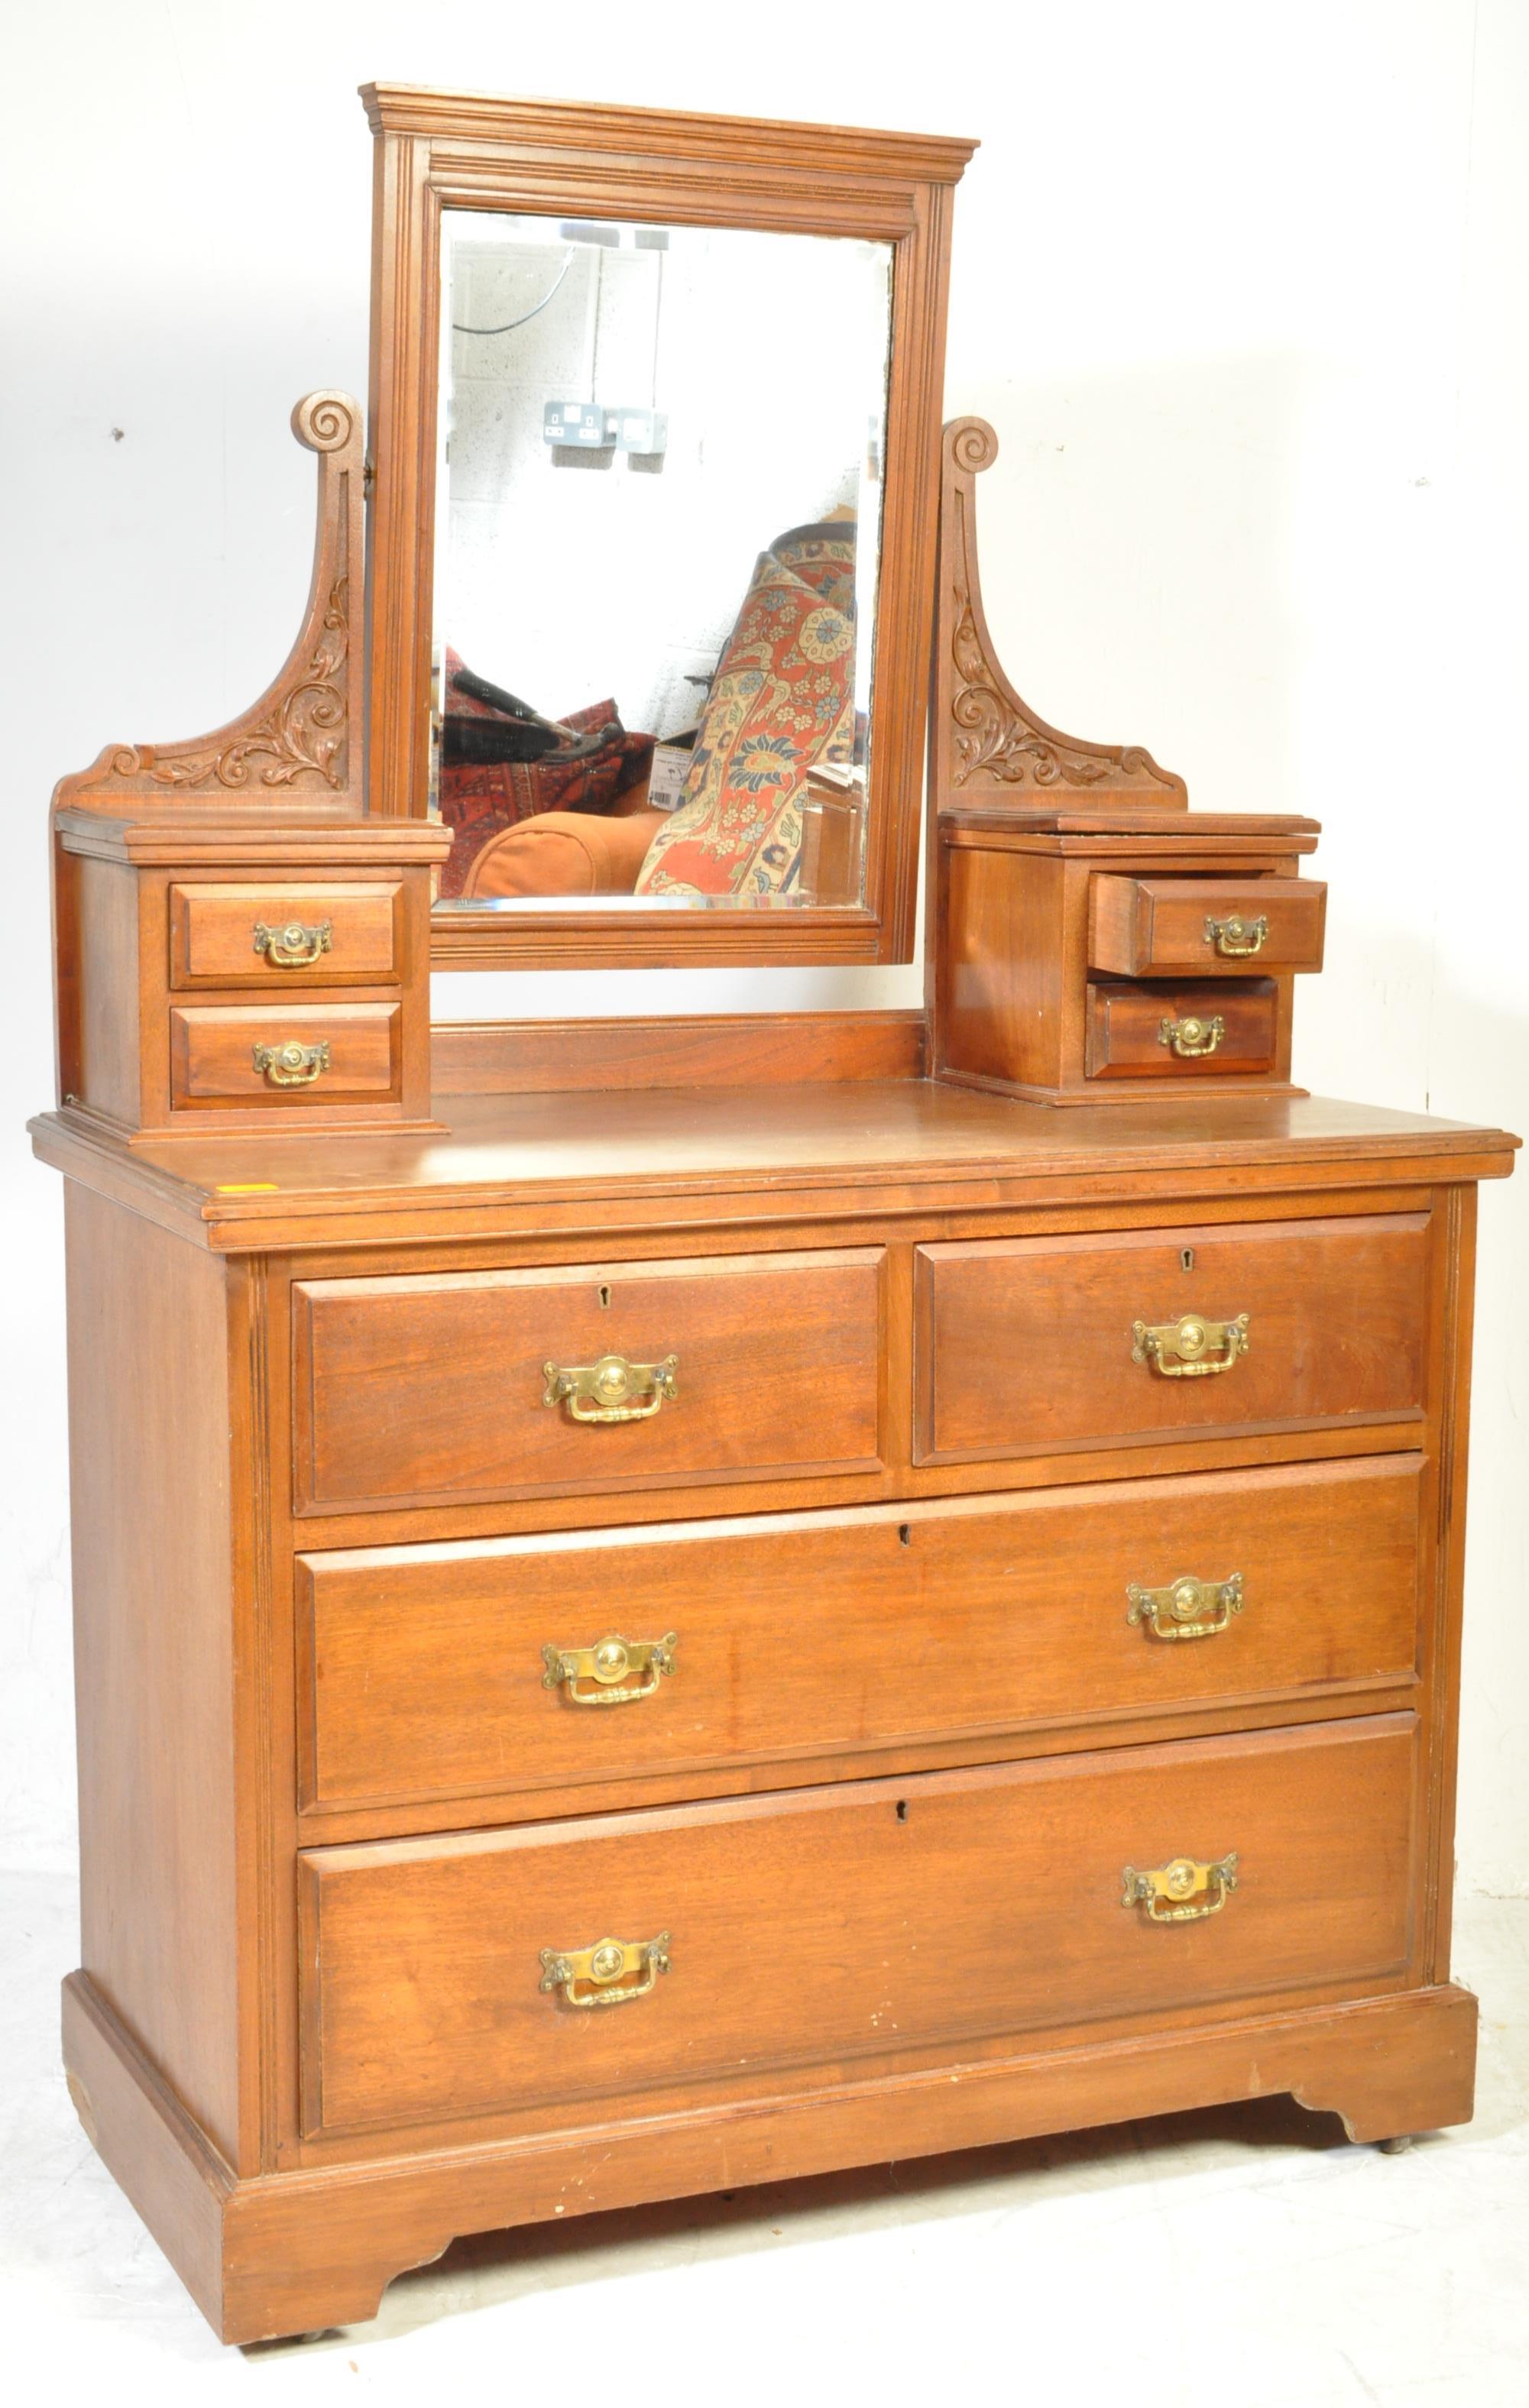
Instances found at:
x=658 y=528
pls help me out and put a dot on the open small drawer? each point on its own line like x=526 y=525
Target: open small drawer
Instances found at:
x=1206 y=927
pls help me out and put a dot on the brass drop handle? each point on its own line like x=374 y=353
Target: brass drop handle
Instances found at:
x=295 y=945
x=607 y=1664
x=1192 y=1038
x=604 y=1391
x=601 y=1975
x=1185 y=1891
x=1186 y=1609
x=1190 y=1348
x=291 y=1065
x=1237 y=936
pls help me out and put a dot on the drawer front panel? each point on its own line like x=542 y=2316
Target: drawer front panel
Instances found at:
x=1194 y=1030
x=816 y=1634
x=776 y=1370
x=286 y=936
x=291 y=1057
x=1026 y=1345
x=835 y=1923
x=1211 y=927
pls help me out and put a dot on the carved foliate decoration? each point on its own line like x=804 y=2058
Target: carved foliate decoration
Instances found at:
x=304 y=731
x=298 y=736
x=990 y=736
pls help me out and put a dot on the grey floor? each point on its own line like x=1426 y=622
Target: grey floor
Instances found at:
x=1244 y=2256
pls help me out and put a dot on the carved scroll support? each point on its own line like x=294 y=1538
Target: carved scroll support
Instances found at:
x=987 y=745
x=302 y=740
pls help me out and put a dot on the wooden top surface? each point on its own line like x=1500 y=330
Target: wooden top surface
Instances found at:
x=766 y=1153
x=1166 y=819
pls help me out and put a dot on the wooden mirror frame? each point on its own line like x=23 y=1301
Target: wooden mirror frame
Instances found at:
x=436 y=151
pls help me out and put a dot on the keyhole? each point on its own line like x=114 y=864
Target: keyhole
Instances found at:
x=902 y=1810
x=605 y=1293
x=1186 y=1260
x=904 y=1532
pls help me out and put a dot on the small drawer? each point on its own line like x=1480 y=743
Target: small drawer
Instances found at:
x=1196 y=1030
x=705 y=1648
x=1030 y=1346
x=290 y=1057
x=447 y=1978
x=1156 y=927
x=248 y=935
x=585 y=1378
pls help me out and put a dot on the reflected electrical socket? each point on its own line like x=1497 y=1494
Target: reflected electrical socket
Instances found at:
x=579 y=427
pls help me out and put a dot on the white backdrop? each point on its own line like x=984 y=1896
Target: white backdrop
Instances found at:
x=1242 y=287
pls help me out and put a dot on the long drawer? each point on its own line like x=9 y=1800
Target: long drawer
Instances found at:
x=1032 y=1344
x=461 y=1976
x=480 y=1386
x=550 y=1662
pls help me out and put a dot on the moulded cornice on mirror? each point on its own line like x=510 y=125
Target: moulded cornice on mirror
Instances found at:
x=444 y=150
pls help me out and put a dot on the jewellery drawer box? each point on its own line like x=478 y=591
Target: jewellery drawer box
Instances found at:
x=285 y=1058
x=192 y=932
x=524 y=1666
x=1156 y=927
x=489 y=1970
x=287 y=936
x=586 y=1377
x=1024 y=1345
x=1194 y=1030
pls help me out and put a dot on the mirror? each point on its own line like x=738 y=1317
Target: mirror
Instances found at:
x=654 y=427
x=657 y=529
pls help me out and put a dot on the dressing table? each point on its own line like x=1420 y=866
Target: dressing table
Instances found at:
x=662 y=1605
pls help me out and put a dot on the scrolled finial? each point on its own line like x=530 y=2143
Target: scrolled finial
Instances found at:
x=971 y=444
x=327 y=421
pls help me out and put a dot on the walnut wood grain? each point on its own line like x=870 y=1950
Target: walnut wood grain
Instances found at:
x=298 y=739
x=213 y=925
x=1151 y=927
x=540 y=1163
x=143 y=840
x=985 y=741
x=212 y=1054
x=150 y=1405
x=324 y=1525
x=100 y=1051
x=473 y=1057
x=1023 y=820
x=420 y=1672
x=778 y=1370
x=299 y=2252
x=134 y=894
x=841 y=1922
x=677 y=168
x=318 y=2232
x=1026 y=1344
x=1125 y=1029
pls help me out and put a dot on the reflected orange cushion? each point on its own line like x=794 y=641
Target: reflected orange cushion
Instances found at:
x=565 y=853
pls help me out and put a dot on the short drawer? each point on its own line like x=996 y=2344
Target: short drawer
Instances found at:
x=440 y=1977
x=286 y=936
x=587 y=1378
x=1194 y=1030
x=1155 y=927
x=288 y=1057
x=451 y=1671
x=1028 y=1345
